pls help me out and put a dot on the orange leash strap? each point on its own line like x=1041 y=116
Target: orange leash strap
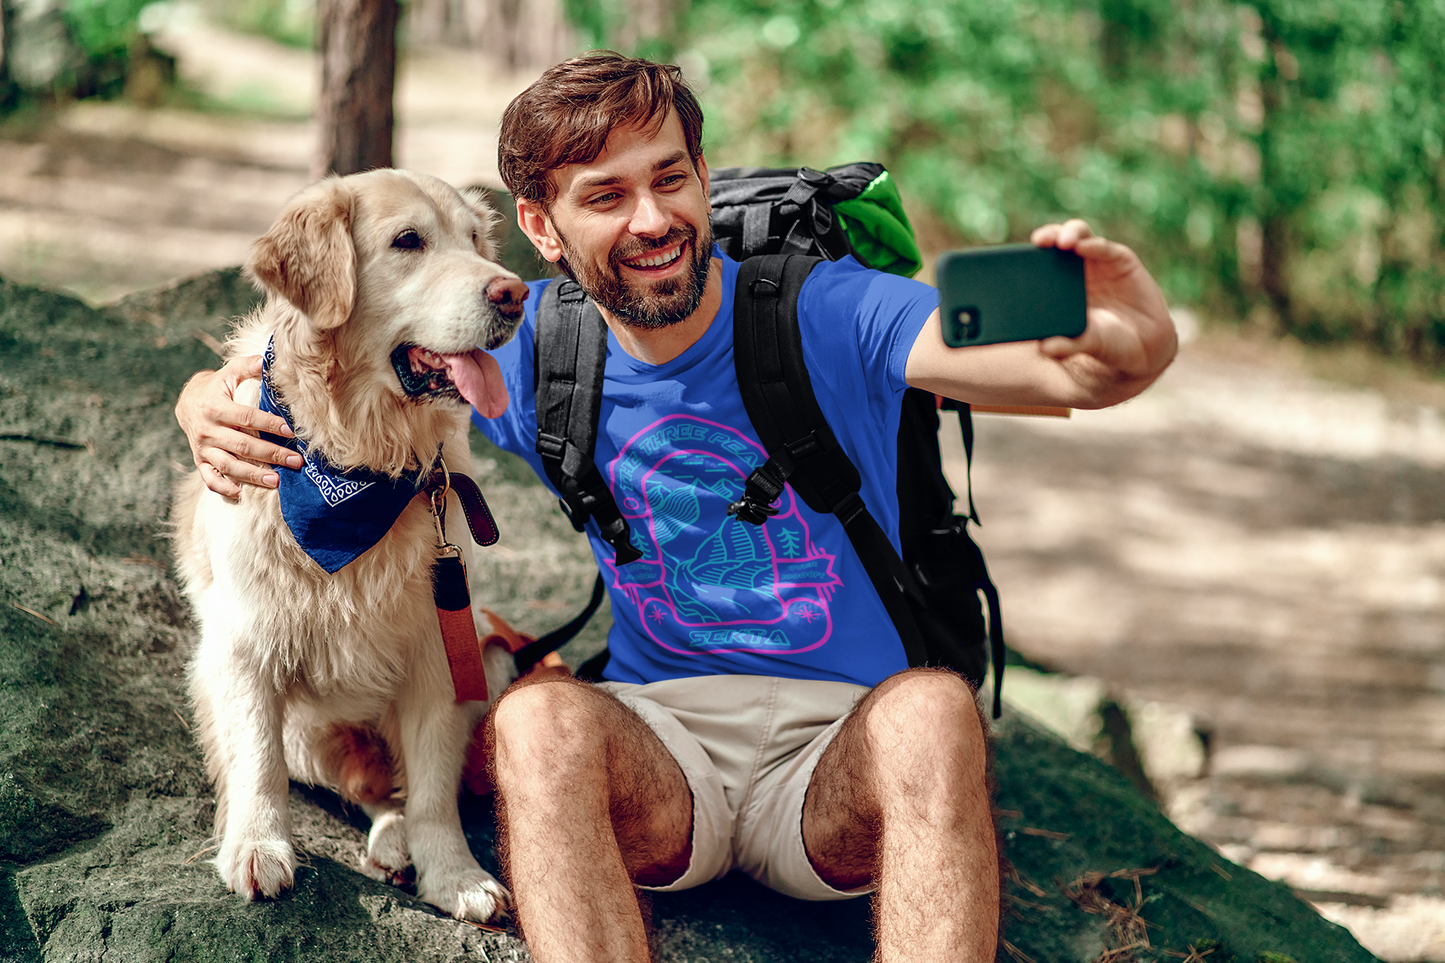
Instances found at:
x=454 y=602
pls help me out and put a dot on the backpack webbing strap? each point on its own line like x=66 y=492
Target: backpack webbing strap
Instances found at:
x=965 y=425
x=571 y=352
x=802 y=450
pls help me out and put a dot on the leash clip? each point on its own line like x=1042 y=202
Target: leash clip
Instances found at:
x=437 y=494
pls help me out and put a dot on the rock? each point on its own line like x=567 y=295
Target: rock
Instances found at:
x=105 y=814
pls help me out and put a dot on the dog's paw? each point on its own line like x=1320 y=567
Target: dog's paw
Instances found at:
x=257 y=868
x=471 y=895
x=387 y=857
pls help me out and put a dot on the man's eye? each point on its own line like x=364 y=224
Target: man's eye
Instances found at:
x=408 y=240
x=674 y=180
x=602 y=200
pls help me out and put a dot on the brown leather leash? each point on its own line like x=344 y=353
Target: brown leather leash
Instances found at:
x=449 y=580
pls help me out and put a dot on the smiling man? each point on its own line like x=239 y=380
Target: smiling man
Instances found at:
x=759 y=713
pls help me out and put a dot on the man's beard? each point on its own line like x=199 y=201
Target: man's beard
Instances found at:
x=661 y=305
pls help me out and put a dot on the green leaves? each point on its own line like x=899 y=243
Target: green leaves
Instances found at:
x=1283 y=156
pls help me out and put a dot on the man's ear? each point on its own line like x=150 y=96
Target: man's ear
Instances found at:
x=537 y=225
x=307 y=257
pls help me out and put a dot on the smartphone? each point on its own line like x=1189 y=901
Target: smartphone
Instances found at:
x=1014 y=292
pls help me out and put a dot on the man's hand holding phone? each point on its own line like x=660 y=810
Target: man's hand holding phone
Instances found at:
x=1083 y=325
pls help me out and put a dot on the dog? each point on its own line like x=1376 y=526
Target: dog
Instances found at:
x=380 y=286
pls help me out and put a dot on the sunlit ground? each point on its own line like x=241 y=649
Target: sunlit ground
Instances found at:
x=1258 y=542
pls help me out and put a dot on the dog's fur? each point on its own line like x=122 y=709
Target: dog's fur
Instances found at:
x=342 y=680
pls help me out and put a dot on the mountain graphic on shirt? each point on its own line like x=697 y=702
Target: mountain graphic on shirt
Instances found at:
x=708 y=582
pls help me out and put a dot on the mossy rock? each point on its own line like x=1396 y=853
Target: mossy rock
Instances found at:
x=105 y=813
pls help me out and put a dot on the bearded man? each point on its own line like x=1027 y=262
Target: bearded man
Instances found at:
x=746 y=722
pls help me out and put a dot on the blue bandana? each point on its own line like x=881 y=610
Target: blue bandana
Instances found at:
x=334 y=515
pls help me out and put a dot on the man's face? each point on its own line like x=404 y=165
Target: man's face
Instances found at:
x=632 y=226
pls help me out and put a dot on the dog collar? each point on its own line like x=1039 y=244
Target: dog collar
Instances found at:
x=334 y=515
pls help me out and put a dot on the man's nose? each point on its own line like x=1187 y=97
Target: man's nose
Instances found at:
x=648 y=218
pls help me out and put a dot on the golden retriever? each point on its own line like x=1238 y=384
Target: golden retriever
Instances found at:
x=380 y=288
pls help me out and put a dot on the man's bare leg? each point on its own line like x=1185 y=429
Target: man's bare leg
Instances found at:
x=589 y=802
x=901 y=797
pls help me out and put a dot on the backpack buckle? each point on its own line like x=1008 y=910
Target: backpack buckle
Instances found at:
x=763 y=487
x=747 y=510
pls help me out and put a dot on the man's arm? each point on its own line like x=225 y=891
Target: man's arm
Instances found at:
x=1128 y=342
x=221 y=432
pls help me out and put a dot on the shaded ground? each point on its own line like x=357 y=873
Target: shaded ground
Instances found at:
x=1266 y=551
x=1263 y=550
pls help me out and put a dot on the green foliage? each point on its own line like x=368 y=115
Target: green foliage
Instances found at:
x=104 y=29
x=1280 y=159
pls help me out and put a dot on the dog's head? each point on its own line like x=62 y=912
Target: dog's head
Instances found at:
x=394 y=269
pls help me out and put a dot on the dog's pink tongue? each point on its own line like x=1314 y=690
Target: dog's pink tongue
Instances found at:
x=479 y=378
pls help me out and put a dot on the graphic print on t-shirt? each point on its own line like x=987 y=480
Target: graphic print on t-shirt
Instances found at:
x=708 y=582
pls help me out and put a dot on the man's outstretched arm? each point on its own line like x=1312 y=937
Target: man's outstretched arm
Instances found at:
x=222 y=432
x=1128 y=342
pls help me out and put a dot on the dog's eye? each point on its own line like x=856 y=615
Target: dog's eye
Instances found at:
x=408 y=240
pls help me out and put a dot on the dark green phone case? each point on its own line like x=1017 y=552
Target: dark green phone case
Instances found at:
x=1014 y=292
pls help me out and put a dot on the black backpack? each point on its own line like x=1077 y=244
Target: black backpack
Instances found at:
x=773 y=220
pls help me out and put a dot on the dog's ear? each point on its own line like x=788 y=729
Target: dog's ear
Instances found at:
x=308 y=256
x=479 y=200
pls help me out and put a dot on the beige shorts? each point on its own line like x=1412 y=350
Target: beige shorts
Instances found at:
x=747 y=745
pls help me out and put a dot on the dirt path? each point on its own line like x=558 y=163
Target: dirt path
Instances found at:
x=1263 y=550
x=1267 y=552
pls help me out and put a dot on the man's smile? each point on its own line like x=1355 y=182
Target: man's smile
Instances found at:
x=656 y=260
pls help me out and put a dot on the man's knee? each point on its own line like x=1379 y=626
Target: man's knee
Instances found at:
x=555 y=715
x=926 y=712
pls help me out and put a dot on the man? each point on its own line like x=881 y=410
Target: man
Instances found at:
x=759 y=712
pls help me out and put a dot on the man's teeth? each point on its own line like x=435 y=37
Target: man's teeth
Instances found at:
x=657 y=260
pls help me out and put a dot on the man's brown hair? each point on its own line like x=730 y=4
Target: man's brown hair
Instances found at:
x=565 y=116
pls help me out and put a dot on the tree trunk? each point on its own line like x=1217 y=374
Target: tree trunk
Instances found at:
x=358 y=78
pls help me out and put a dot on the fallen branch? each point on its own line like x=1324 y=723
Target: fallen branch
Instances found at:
x=35 y=439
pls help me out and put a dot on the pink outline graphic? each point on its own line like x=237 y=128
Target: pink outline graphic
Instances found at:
x=774 y=573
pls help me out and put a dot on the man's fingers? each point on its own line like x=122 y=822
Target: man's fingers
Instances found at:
x=1067 y=235
x=218 y=483
x=220 y=411
x=220 y=463
x=237 y=370
x=231 y=442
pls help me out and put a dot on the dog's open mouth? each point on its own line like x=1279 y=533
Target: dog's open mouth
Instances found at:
x=427 y=375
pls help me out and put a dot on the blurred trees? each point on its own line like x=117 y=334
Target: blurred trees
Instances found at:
x=1278 y=160
x=354 y=115
x=65 y=49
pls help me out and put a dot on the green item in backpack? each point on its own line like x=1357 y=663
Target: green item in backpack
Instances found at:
x=878 y=228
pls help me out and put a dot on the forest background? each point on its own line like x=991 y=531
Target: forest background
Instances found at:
x=1279 y=163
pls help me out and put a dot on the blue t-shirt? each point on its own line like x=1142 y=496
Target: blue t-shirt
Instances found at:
x=713 y=595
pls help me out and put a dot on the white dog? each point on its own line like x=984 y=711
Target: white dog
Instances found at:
x=324 y=660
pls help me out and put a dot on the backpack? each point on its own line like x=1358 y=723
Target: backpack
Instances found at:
x=777 y=222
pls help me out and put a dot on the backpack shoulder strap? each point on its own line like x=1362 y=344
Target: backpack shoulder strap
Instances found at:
x=802 y=450
x=570 y=354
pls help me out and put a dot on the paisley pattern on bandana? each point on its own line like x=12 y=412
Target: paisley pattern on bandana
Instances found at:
x=335 y=516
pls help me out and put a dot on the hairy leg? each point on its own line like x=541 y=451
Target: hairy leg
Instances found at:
x=902 y=797
x=589 y=802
